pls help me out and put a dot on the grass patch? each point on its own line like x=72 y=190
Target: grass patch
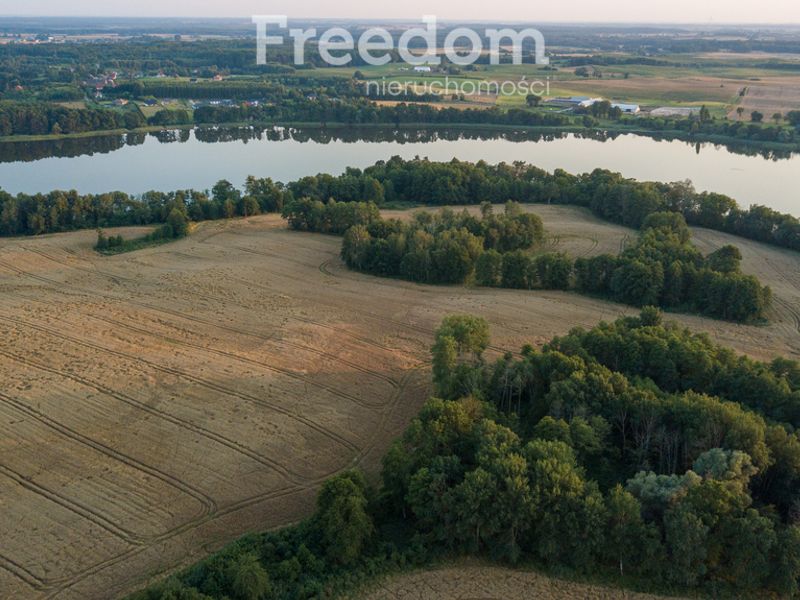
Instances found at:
x=175 y=228
x=133 y=245
x=400 y=205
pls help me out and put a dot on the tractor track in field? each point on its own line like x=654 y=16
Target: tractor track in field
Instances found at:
x=211 y=350
x=286 y=372
x=73 y=506
x=208 y=507
x=303 y=319
x=194 y=379
x=329 y=355
x=62 y=585
x=22 y=573
x=183 y=423
x=398 y=396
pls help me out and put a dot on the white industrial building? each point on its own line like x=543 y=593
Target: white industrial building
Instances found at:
x=630 y=109
x=576 y=101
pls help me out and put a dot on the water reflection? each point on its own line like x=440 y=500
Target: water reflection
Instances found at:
x=67 y=148
x=416 y=136
x=183 y=158
x=28 y=151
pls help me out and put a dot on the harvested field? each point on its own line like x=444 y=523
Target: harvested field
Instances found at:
x=474 y=582
x=657 y=91
x=476 y=102
x=755 y=56
x=158 y=404
x=770 y=96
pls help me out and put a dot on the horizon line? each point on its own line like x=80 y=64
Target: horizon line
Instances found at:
x=412 y=19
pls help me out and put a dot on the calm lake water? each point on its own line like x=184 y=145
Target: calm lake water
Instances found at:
x=197 y=159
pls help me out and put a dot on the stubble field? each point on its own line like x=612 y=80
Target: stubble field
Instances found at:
x=156 y=405
x=770 y=96
x=479 y=582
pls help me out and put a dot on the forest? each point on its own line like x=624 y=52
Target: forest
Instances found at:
x=608 y=195
x=636 y=451
x=60 y=211
x=662 y=268
x=42 y=118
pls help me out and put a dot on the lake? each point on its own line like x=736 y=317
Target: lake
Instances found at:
x=171 y=160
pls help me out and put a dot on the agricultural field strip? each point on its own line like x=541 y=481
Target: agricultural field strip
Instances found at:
x=398 y=394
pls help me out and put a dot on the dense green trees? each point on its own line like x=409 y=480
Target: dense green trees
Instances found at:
x=679 y=361
x=460 y=342
x=663 y=268
x=65 y=211
x=473 y=486
x=520 y=270
x=622 y=451
x=249 y=580
x=176 y=226
x=607 y=194
x=361 y=110
x=607 y=469
x=344 y=525
x=333 y=551
x=445 y=247
x=40 y=118
x=171 y=117
x=333 y=217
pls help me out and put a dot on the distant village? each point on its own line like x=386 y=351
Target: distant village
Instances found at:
x=571 y=103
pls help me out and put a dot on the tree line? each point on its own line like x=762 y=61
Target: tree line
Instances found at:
x=609 y=195
x=271 y=89
x=438 y=248
x=60 y=211
x=176 y=227
x=665 y=269
x=361 y=111
x=711 y=128
x=662 y=268
x=42 y=118
x=636 y=446
x=631 y=452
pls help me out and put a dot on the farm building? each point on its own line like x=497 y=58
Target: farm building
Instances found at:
x=630 y=109
x=422 y=69
x=575 y=101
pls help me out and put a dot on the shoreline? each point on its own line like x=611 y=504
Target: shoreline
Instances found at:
x=729 y=142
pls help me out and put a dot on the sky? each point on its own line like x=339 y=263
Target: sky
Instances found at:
x=617 y=11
